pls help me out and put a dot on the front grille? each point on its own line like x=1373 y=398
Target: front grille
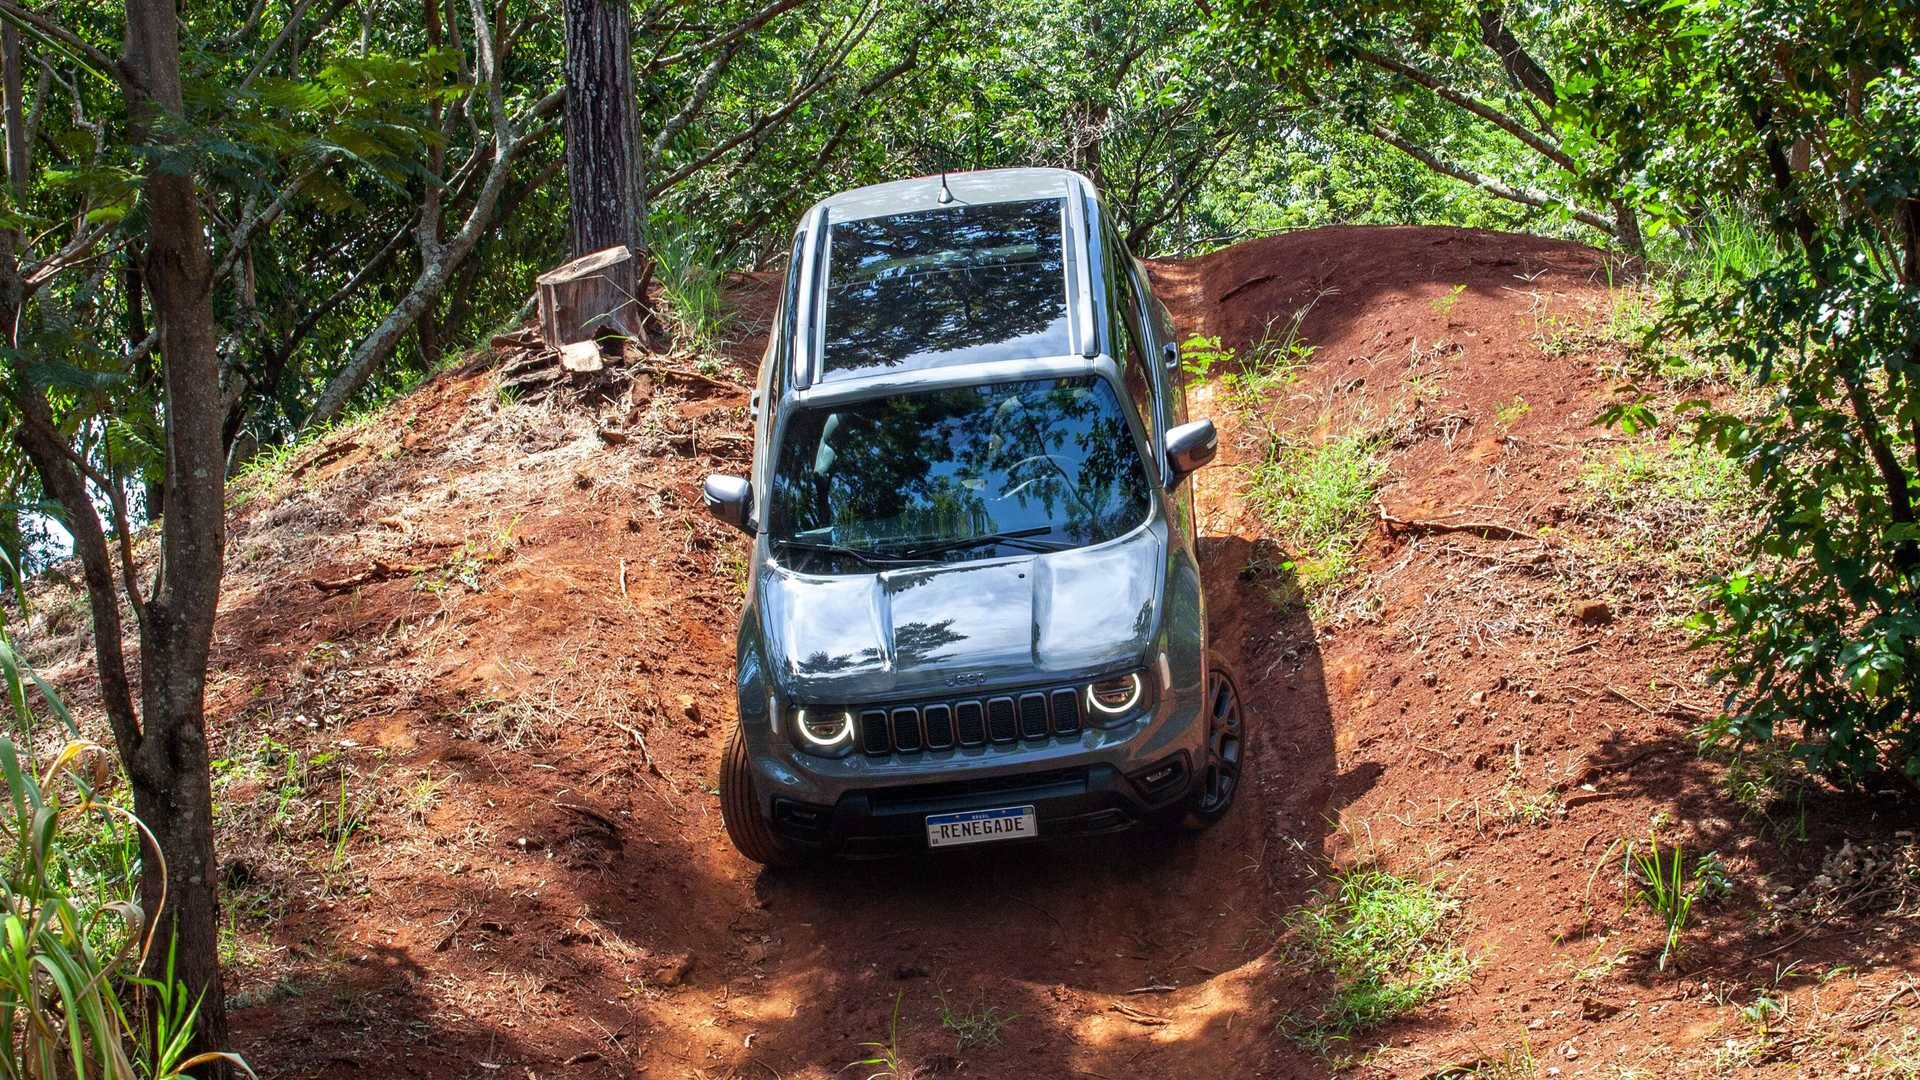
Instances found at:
x=1066 y=710
x=1043 y=713
x=873 y=732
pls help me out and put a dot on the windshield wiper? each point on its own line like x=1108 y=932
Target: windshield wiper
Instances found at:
x=1026 y=538
x=869 y=558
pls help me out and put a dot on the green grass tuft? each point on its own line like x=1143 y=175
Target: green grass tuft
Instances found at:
x=1388 y=942
x=1680 y=506
x=1314 y=500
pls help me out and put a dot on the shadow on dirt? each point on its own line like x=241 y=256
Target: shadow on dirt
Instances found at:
x=1783 y=906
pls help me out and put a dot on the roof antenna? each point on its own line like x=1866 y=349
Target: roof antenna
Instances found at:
x=945 y=195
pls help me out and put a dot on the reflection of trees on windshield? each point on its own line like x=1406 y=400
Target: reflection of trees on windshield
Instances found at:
x=940 y=281
x=1055 y=456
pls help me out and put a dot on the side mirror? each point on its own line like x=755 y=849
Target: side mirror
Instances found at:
x=730 y=499
x=1171 y=354
x=1190 y=446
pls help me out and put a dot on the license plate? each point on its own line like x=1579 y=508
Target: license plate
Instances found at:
x=980 y=826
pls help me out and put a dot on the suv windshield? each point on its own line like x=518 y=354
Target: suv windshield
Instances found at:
x=954 y=474
x=948 y=285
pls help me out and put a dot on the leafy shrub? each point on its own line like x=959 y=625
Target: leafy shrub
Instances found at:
x=1702 y=103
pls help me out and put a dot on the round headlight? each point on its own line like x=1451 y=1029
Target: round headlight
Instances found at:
x=823 y=729
x=1114 y=696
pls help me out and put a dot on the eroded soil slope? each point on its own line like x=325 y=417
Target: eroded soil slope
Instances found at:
x=472 y=680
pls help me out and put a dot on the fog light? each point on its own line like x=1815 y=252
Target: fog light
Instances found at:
x=824 y=730
x=1114 y=696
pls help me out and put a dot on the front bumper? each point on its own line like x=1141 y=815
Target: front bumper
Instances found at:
x=1082 y=800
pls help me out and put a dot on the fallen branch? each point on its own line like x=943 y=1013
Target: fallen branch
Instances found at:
x=1675 y=710
x=329 y=454
x=1485 y=529
x=379 y=570
x=1137 y=1016
x=1257 y=279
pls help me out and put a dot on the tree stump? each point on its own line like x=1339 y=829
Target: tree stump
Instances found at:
x=593 y=295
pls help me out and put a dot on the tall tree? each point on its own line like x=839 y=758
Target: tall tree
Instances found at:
x=161 y=739
x=606 y=205
x=166 y=755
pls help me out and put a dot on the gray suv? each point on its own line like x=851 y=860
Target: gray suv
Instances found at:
x=974 y=612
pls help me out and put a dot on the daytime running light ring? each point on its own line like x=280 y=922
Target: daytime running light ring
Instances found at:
x=1132 y=699
x=840 y=736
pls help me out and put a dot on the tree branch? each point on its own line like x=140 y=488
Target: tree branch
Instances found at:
x=1522 y=68
x=65 y=40
x=1470 y=103
x=1537 y=199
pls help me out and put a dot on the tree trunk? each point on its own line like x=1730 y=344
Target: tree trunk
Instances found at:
x=1627 y=229
x=602 y=183
x=169 y=770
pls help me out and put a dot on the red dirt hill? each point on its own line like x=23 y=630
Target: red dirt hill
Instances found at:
x=466 y=797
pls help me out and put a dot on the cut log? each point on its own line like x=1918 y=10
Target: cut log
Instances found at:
x=590 y=296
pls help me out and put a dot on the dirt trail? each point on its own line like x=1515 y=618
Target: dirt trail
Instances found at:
x=469 y=808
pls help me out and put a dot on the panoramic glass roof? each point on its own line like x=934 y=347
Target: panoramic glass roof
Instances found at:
x=950 y=285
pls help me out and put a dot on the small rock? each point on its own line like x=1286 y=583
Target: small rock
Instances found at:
x=1428 y=678
x=688 y=707
x=1590 y=1009
x=674 y=971
x=1478 y=697
x=1592 y=612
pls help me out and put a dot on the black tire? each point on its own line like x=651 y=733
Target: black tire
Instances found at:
x=747 y=827
x=1217 y=777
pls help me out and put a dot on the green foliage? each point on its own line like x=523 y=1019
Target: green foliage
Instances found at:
x=690 y=279
x=884 y=1057
x=978 y=1025
x=1708 y=105
x=1673 y=502
x=1316 y=498
x=1199 y=355
x=1387 y=941
x=72 y=999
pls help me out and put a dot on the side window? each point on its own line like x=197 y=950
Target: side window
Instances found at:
x=1135 y=347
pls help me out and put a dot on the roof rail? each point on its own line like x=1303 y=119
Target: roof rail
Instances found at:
x=805 y=363
x=1082 y=243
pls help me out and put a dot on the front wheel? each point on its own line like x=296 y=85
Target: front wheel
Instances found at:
x=747 y=827
x=1218 y=778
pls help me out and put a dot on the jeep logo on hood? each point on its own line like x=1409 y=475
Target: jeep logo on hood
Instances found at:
x=967 y=678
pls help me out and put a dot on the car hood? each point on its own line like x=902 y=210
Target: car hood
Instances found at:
x=935 y=629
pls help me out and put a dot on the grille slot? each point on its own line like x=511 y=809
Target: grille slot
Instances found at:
x=906 y=730
x=970 y=723
x=873 y=732
x=1002 y=725
x=1033 y=715
x=939 y=720
x=1066 y=711
x=1025 y=716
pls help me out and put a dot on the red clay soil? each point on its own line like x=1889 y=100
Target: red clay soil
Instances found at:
x=468 y=810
